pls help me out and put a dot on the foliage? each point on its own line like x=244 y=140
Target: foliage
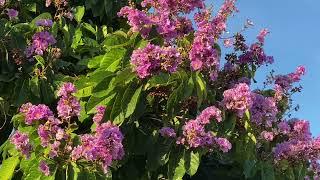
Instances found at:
x=153 y=100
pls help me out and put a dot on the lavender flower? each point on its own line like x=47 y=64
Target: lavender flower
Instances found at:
x=44 y=22
x=264 y=110
x=21 y=142
x=167 y=132
x=44 y=168
x=40 y=42
x=12 y=13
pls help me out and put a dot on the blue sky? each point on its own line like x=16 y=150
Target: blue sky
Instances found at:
x=294 y=40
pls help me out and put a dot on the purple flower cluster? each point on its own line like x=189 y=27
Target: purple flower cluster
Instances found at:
x=103 y=147
x=256 y=55
x=167 y=132
x=21 y=142
x=35 y=112
x=152 y=59
x=44 y=22
x=68 y=105
x=264 y=110
x=286 y=81
x=194 y=134
x=40 y=43
x=238 y=99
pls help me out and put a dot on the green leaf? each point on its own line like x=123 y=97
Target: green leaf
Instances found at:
x=94 y=101
x=73 y=171
x=180 y=170
x=267 y=171
x=79 y=12
x=249 y=168
x=131 y=106
x=34 y=85
x=201 y=88
x=192 y=161
x=77 y=39
x=112 y=59
x=7 y=168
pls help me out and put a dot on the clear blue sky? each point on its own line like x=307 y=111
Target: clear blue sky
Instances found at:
x=294 y=40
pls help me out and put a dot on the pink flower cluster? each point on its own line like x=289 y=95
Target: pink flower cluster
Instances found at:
x=300 y=145
x=165 y=16
x=34 y=113
x=203 y=55
x=51 y=133
x=103 y=147
x=264 y=110
x=40 y=43
x=21 y=142
x=68 y=105
x=286 y=81
x=194 y=134
x=152 y=59
x=238 y=99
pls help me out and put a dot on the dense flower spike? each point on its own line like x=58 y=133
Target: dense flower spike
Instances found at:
x=152 y=59
x=68 y=105
x=223 y=144
x=138 y=20
x=104 y=147
x=40 y=43
x=238 y=99
x=21 y=142
x=35 y=112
